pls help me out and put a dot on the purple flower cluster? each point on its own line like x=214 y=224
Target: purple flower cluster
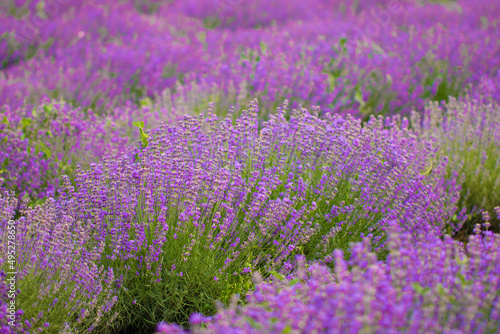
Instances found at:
x=38 y=145
x=381 y=57
x=243 y=14
x=467 y=132
x=282 y=185
x=60 y=282
x=230 y=198
x=89 y=64
x=432 y=286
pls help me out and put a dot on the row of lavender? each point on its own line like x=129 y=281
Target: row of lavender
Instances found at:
x=428 y=287
x=39 y=145
x=342 y=58
x=128 y=236
x=362 y=58
x=164 y=230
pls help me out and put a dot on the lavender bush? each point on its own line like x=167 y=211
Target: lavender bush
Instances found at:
x=432 y=286
x=467 y=132
x=38 y=145
x=61 y=286
x=203 y=204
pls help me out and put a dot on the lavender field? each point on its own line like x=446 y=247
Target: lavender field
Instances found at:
x=238 y=166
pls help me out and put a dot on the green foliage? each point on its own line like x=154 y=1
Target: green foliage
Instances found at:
x=175 y=296
x=351 y=226
x=211 y=22
x=134 y=91
x=144 y=135
x=438 y=72
x=448 y=295
x=419 y=289
x=465 y=134
x=25 y=52
x=147 y=6
x=57 y=134
x=145 y=303
x=57 y=293
x=161 y=294
x=59 y=306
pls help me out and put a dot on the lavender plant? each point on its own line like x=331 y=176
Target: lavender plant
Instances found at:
x=203 y=204
x=61 y=286
x=433 y=286
x=39 y=145
x=467 y=132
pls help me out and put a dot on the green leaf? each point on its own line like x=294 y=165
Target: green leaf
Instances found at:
x=358 y=96
x=428 y=170
x=253 y=323
x=48 y=44
x=331 y=81
x=419 y=289
x=462 y=278
x=464 y=281
x=45 y=149
x=462 y=261
x=139 y=124
x=201 y=36
x=145 y=102
x=263 y=48
x=25 y=122
x=277 y=275
x=144 y=136
x=389 y=78
x=5 y=120
x=377 y=48
x=31 y=52
x=342 y=43
x=144 y=139
x=211 y=22
x=440 y=289
x=287 y=329
x=48 y=109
